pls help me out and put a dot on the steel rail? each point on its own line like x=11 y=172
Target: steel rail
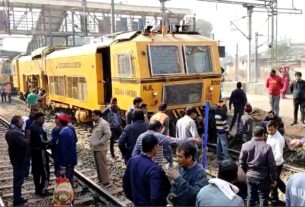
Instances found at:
x=6 y=124
x=103 y=194
x=236 y=153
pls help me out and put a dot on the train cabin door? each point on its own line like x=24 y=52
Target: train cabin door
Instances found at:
x=106 y=74
x=45 y=85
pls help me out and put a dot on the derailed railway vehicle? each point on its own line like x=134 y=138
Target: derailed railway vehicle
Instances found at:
x=179 y=69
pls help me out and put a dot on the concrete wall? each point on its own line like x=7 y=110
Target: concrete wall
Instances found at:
x=249 y=88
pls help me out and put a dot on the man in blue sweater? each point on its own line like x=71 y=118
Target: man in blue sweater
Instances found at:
x=222 y=130
x=65 y=157
x=188 y=179
x=144 y=183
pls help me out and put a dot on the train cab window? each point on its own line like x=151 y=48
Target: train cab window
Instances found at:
x=164 y=59
x=198 y=59
x=124 y=65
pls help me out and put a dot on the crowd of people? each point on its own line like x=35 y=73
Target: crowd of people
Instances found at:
x=163 y=168
x=28 y=142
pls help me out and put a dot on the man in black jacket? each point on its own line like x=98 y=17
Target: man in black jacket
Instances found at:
x=297 y=88
x=40 y=158
x=136 y=105
x=239 y=99
x=112 y=115
x=131 y=133
x=17 y=148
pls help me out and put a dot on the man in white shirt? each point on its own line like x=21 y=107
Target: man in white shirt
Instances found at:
x=277 y=143
x=186 y=126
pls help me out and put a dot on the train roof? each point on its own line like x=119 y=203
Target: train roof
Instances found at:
x=172 y=38
x=25 y=58
x=38 y=51
x=157 y=37
x=129 y=36
x=82 y=50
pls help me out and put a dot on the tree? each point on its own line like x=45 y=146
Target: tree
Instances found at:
x=204 y=27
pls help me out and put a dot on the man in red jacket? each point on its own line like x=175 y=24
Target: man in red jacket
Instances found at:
x=274 y=84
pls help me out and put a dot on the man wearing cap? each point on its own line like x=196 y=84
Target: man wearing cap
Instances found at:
x=40 y=159
x=65 y=156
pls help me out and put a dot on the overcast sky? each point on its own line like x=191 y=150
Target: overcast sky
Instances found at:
x=220 y=15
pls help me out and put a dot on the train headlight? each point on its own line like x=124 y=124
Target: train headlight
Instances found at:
x=211 y=88
x=155 y=93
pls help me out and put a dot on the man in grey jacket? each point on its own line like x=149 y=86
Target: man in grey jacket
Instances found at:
x=257 y=161
x=101 y=134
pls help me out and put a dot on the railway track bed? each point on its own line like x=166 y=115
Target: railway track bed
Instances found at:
x=86 y=191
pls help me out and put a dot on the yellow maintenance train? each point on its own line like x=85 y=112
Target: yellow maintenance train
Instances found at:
x=180 y=69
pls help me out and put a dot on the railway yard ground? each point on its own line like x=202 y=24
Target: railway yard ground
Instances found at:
x=86 y=195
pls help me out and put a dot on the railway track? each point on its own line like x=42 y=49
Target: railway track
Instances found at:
x=235 y=155
x=87 y=192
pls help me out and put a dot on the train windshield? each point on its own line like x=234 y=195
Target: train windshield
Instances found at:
x=164 y=60
x=198 y=59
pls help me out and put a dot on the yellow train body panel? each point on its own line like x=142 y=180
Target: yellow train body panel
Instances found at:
x=15 y=72
x=84 y=69
x=178 y=69
x=30 y=74
x=151 y=88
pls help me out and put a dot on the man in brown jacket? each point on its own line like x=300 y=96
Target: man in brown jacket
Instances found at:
x=101 y=134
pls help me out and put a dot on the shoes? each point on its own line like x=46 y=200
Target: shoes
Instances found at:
x=42 y=194
x=294 y=123
x=24 y=202
x=28 y=178
x=274 y=201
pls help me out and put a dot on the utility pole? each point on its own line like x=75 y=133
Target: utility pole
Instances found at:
x=164 y=15
x=112 y=17
x=73 y=30
x=273 y=10
x=236 y=64
x=84 y=18
x=276 y=31
x=194 y=22
x=274 y=25
x=257 y=71
x=250 y=12
x=256 y=57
